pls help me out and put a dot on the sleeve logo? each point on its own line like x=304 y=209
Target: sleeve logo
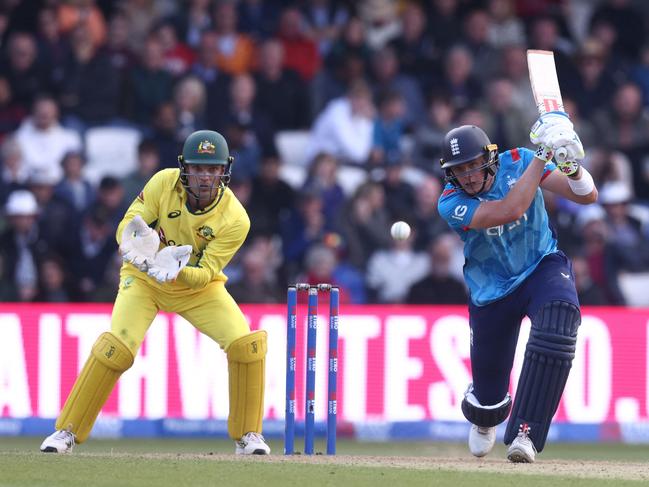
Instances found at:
x=459 y=212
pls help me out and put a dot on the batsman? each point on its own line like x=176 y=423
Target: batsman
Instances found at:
x=514 y=269
x=176 y=239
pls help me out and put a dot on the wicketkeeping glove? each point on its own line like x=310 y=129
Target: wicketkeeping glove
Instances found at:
x=139 y=243
x=169 y=262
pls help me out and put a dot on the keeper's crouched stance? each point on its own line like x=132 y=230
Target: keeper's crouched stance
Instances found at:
x=193 y=207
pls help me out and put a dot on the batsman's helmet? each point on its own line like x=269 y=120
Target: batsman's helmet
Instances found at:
x=464 y=144
x=206 y=147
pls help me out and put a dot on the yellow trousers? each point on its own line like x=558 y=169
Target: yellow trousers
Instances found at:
x=211 y=310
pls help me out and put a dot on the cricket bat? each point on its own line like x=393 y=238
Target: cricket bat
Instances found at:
x=545 y=86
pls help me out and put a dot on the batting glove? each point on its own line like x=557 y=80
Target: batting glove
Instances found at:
x=139 y=243
x=169 y=262
x=546 y=124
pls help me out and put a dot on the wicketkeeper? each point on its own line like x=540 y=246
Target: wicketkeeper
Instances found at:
x=513 y=268
x=176 y=238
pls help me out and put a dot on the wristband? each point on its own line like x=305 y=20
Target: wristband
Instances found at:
x=582 y=186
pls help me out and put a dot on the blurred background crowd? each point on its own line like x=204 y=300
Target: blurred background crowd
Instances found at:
x=335 y=113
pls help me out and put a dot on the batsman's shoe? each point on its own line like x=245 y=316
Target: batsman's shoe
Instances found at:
x=481 y=440
x=61 y=441
x=522 y=449
x=252 y=444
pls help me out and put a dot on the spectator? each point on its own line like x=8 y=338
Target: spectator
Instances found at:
x=458 y=81
x=303 y=227
x=165 y=135
x=425 y=217
x=417 y=53
x=235 y=51
x=281 y=94
x=322 y=178
x=506 y=124
x=444 y=22
x=258 y=18
x=391 y=272
x=43 y=142
x=255 y=286
x=21 y=247
x=505 y=29
x=83 y=13
x=14 y=172
x=241 y=111
x=625 y=124
x=627 y=23
x=11 y=113
x=387 y=76
x=270 y=197
x=477 y=27
x=301 y=52
x=588 y=292
x=382 y=24
x=89 y=92
x=178 y=57
x=193 y=22
x=148 y=163
x=320 y=266
x=55 y=285
x=429 y=135
x=325 y=20
x=364 y=224
x=389 y=129
x=344 y=128
x=23 y=71
x=57 y=221
x=593 y=83
x=190 y=102
x=74 y=189
x=400 y=199
x=91 y=253
x=513 y=66
x=150 y=84
x=53 y=48
x=440 y=286
x=110 y=201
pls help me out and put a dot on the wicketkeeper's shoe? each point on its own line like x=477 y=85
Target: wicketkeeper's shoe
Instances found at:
x=522 y=449
x=252 y=444
x=481 y=440
x=61 y=441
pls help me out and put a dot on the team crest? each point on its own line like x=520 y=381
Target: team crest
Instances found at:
x=206 y=147
x=205 y=232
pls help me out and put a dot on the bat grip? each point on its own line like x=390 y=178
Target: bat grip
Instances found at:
x=561 y=154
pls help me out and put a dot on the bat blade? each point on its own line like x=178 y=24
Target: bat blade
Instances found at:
x=544 y=81
x=545 y=86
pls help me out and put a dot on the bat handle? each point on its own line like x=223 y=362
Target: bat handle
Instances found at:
x=561 y=154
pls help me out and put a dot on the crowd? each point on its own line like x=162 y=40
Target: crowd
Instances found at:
x=375 y=83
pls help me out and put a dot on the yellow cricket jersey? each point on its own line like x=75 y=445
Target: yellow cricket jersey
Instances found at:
x=215 y=233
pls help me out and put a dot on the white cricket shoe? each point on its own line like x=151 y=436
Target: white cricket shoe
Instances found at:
x=61 y=441
x=481 y=440
x=522 y=449
x=252 y=444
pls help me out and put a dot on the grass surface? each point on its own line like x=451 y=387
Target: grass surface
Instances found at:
x=170 y=462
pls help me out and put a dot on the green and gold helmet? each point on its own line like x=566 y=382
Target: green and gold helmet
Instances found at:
x=206 y=147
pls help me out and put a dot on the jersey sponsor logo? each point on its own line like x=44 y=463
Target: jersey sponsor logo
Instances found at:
x=459 y=212
x=205 y=232
x=497 y=231
x=567 y=276
x=206 y=147
x=173 y=214
x=455 y=147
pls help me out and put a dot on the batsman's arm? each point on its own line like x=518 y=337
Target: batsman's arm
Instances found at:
x=216 y=255
x=579 y=188
x=515 y=204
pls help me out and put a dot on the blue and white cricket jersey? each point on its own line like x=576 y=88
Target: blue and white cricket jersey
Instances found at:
x=498 y=259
